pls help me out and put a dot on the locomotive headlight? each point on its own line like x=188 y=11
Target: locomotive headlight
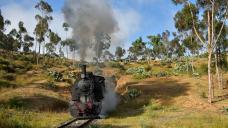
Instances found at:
x=83 y=76
x=83 y=99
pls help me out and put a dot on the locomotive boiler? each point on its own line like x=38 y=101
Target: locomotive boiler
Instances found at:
x=87 y=95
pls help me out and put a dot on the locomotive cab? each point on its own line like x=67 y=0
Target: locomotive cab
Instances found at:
x=87 y=95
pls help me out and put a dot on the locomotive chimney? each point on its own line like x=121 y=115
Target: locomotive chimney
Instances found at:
x=83 y=68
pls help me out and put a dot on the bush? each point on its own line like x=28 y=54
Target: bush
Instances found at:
x=74 y=75
x=148 y=67
x=115 y=65
x=182 y=67
x=203 y=69
x=9 y=77
x=50 y=85
x=133 y=93
x=56 y=75
x=15 y=103
x=162 y=74
x=6 y=84
x=139 y=72
x=203 y=95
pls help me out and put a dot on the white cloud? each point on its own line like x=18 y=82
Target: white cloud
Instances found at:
x=16 y=12
x=129 y=22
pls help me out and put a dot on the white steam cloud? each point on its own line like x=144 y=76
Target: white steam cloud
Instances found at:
x=90 y=21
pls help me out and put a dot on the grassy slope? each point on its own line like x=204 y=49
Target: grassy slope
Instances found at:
x=177 y=101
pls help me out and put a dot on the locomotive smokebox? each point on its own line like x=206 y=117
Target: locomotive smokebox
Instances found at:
x=83 y=70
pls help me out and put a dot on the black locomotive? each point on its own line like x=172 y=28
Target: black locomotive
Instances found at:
x=87 y=95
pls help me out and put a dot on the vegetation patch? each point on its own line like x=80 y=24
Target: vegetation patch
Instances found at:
x=139 y=72
x=58 y=76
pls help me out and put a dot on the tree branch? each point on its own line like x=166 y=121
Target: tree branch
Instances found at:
x=220 y=31
x=194 y=27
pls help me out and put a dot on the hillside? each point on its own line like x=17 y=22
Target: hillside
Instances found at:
x=30 y=96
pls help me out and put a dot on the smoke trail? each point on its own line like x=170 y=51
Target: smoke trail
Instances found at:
x=90 y=20
x=110 y=97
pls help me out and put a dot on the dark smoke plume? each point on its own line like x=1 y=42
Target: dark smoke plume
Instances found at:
x=91 y=21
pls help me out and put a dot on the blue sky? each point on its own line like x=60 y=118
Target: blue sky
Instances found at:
x=142 y=18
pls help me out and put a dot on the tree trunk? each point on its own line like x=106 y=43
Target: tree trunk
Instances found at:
x=192 y=65
x=35 y=54
x=209 y=59
x=37 y=58
x=209 y=78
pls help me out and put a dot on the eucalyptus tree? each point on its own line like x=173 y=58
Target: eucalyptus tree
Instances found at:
x=54 y=41
x=176 y=48
x=12 y=43
x=166 y=43
x=205 y=28
x=159 y=50
x=119 y=52
x=1 y=21
x=43 y=20
x=21 y=33
x=28 y=43
x=138 y=48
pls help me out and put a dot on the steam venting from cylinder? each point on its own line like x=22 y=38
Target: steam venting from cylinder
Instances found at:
x=91 y=21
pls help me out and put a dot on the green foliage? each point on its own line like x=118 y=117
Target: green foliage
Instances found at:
x=9 y=76
x=114 y=65
x=158 y=46
x=75 y=75
x=148 y=67
x=162 y=74
x=6 y=84
x=202 y=69
x=182 y=67
x=133 y=93
x=139 y=72
x=50 y=85
x=138 y=47
x=16 y=103
x=56 y=75
x=203 y=94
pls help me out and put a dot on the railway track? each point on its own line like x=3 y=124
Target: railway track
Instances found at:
x=78 y=122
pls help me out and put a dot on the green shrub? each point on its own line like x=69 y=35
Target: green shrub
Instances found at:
x=4 y=61
x=50 y=85
x=6 y=84
x=115 y=65
x=203 y=94
x=9 y=77
x=16 y=103
x=74 y=75
x=165 y=62
x=8 y=68
x=203 y=69
x=56 y=75
x=162 y=74
x=182 y=67
x=148 y=67
x=133 y=93
x=139 y=72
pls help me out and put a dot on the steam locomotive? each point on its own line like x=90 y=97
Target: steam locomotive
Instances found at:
x=87 y=95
